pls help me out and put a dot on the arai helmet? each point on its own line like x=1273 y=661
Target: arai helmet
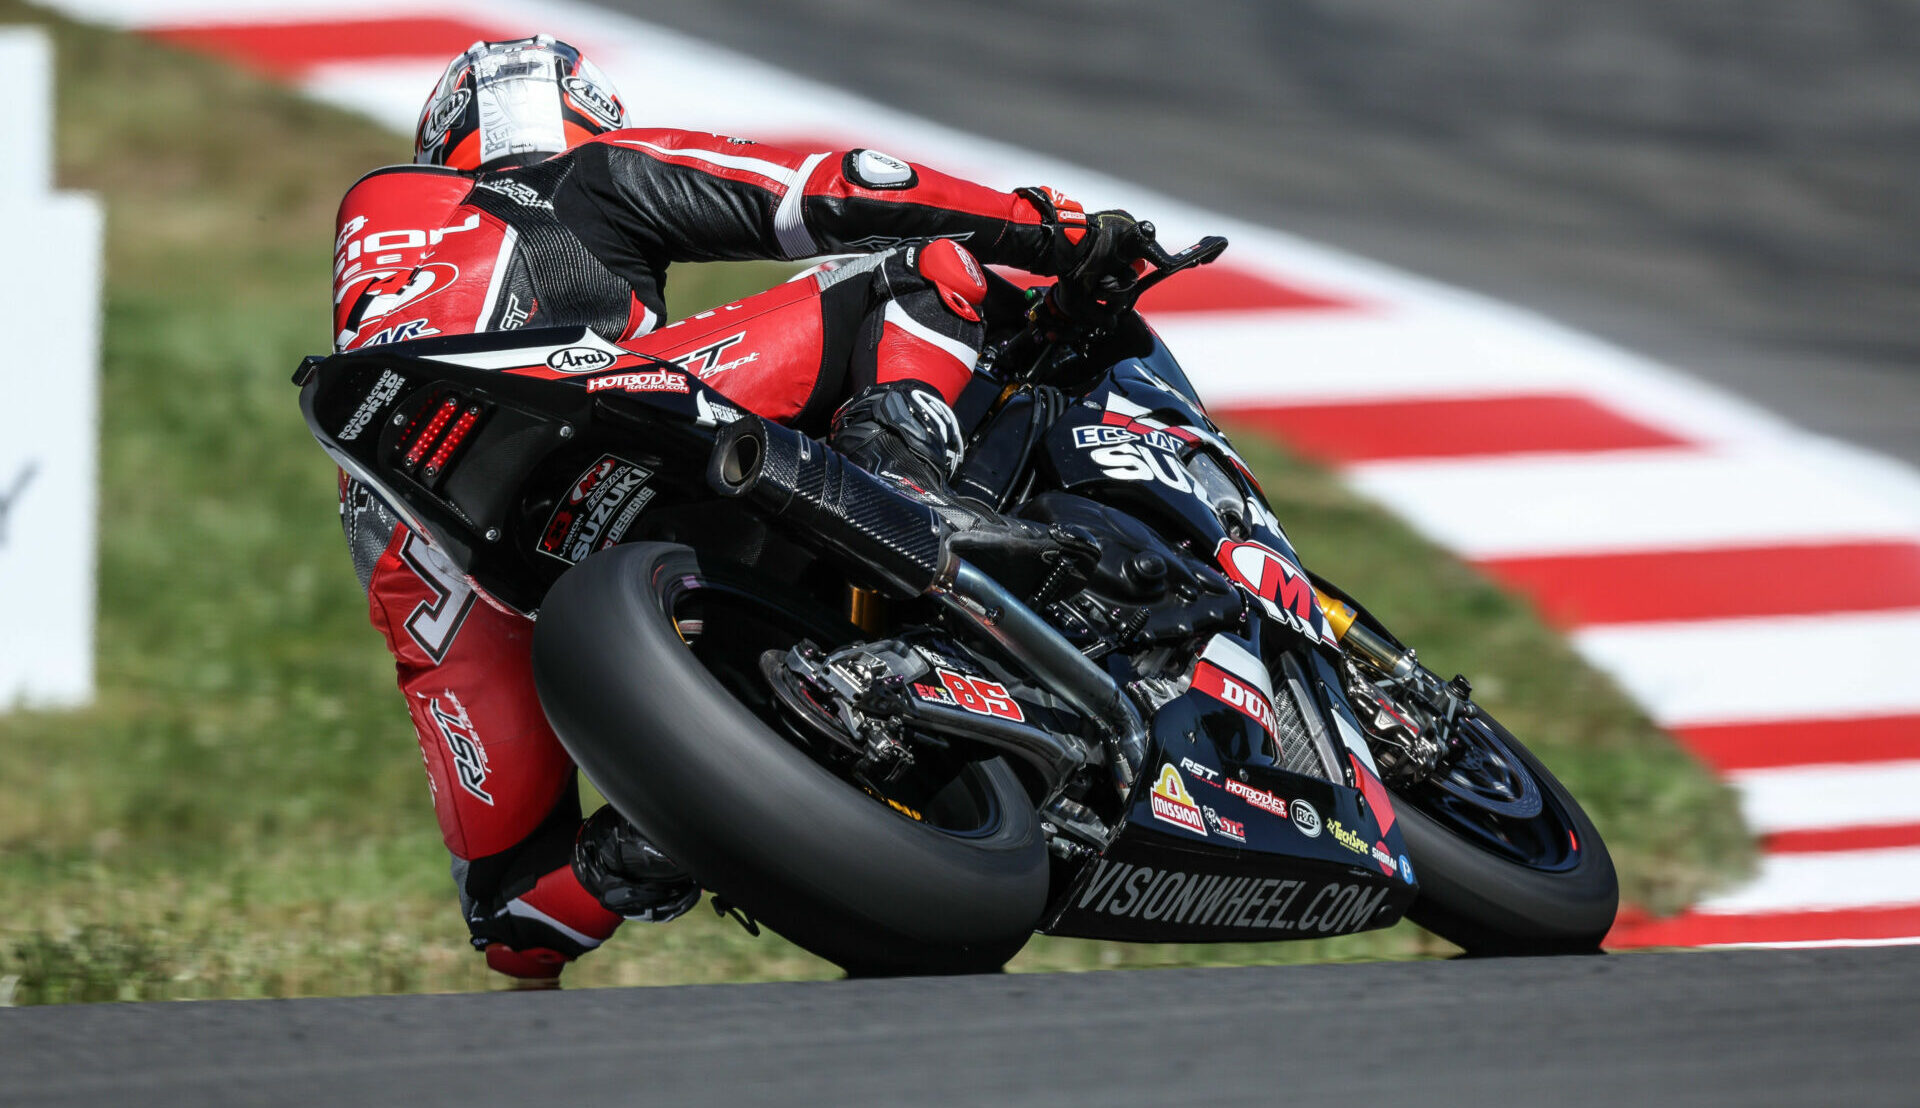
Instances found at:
x=513 y=103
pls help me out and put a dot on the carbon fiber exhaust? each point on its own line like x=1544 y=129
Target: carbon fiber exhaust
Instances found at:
x=832 y=501
x=845 y=508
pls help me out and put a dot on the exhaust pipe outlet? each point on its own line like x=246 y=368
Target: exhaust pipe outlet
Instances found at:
x=832 y=501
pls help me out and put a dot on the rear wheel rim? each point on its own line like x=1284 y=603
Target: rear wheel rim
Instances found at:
x=952 y=799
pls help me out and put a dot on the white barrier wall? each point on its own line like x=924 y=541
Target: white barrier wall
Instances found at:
x=49 y=387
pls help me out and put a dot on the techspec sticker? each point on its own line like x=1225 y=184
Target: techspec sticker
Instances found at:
x=976 y=694
x=1282 y=588
x=598 y=511
x=1172 y=803
x=658 y=380
x=1347 y=838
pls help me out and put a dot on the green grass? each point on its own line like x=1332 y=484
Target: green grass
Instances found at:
x=242 y=813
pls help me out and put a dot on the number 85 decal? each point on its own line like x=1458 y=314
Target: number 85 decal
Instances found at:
x=981 y=696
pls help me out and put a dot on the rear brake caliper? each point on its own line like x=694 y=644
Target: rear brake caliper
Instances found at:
x=855 y=697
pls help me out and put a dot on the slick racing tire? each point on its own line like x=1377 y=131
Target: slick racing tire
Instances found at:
x=646 y=656
x=1494 y=886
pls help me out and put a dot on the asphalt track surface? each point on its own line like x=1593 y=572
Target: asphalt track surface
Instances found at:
x=1732 y=1028
x=1730 y=186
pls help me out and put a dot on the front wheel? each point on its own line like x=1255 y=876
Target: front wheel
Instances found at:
x=1507 y=861
x=648 y=662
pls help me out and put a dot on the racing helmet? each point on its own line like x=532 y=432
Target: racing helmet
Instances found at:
x=513 y=103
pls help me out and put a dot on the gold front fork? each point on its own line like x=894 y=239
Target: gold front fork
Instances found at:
x=1362 y=640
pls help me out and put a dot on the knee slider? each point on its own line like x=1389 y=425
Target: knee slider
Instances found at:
x=955 y=274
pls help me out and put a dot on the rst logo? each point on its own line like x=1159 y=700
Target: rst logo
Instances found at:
x=463 y=746
x=580 y=359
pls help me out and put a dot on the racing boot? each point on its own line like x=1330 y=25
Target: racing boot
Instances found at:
x=629 y=875
x=906 y=434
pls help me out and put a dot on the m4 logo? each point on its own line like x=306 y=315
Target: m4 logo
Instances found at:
x=1283 y=588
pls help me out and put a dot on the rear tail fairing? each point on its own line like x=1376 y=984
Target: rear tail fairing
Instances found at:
x=516 y=453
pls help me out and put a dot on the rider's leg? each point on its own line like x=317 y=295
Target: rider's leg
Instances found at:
x=503 y=788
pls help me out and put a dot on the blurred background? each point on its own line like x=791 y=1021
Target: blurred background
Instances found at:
x=1726 y=187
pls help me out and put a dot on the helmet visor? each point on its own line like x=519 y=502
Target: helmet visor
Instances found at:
x=518 y=95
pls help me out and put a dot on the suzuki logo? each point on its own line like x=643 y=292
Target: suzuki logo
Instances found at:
x=12 y=497
x=579 y=359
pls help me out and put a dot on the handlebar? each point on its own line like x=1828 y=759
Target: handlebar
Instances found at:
x=1050 y=322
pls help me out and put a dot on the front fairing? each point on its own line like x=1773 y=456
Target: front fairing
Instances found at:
x=1220 y=841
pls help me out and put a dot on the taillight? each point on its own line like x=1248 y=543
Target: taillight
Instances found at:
x=443 y=424
x=423 y=442
x=456 y=435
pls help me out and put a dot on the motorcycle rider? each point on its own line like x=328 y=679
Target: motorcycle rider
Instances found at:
x=531 y=204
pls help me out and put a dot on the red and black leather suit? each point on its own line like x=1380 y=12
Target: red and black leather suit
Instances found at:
x=586 y=237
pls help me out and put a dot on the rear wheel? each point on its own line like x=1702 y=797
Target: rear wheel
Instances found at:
x=649 y=664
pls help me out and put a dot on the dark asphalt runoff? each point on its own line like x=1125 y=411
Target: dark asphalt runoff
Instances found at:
x=1741 y=1028
x=1731 y=186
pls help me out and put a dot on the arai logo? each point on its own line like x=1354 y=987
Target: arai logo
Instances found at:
x=446 y=112
x=579 y=359
x=1306 y=818
x=598 y=104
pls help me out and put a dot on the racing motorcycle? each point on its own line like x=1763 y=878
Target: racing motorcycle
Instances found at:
x=1160 y=727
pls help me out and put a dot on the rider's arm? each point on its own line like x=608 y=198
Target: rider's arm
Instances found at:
x=654 y=196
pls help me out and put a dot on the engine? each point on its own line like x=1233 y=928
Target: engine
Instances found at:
x=1144 y=592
